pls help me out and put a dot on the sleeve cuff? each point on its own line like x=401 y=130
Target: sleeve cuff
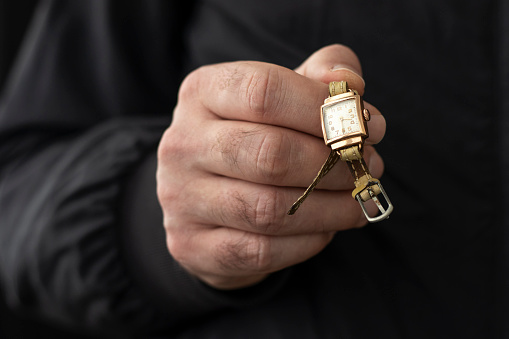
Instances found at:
x=161 y=279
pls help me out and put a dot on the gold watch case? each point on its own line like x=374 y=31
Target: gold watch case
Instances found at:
x=344 y=120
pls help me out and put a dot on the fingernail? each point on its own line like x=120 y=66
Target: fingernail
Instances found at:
x=346 y=69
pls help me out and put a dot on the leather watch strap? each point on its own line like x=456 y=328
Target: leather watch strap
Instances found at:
x=362 y=177
x=326 y=167
x=337 y=87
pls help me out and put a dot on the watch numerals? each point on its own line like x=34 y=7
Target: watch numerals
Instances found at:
x=341 y=119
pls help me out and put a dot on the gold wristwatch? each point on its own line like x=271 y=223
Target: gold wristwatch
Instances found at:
x=344 y=125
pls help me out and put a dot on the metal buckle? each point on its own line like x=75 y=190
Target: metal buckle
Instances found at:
x=384 y=212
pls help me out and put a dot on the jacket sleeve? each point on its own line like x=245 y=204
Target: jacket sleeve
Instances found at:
x=81 y=237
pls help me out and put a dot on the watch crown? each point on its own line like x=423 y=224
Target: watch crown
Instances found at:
x=366 y=114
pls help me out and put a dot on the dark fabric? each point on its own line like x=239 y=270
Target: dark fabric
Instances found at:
x=14 y=19
x=15 y=325
x=143 y=244
x=84 y=105
x=81 y=241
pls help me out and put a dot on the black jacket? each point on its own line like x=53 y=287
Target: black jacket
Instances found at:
x=81 y=241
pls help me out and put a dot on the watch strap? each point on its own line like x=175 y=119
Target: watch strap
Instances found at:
x=335 y=88
x=326 y=167
x=362 y=177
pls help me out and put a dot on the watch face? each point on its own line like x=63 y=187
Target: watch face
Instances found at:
x=341 y=119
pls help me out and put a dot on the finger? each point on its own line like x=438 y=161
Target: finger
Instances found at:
x=257 y=92
x=264 y=93
x=271 y=155
x=376 y=125
x=340 y=63
x=262 y=209
x=229 y=258
x=334 y=63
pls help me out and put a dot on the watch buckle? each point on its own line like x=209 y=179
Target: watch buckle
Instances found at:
x=385 y=211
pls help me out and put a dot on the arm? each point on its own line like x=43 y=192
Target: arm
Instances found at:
x=82 y=242
x=84 y=108
x=244 y=143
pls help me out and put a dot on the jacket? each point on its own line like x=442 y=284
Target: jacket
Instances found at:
x=81 y=241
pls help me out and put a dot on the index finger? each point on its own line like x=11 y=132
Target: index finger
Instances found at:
x=260 y=92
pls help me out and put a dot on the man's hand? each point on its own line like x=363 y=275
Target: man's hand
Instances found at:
x=244 y=144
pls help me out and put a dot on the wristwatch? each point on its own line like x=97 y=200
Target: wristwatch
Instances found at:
x=344 y=125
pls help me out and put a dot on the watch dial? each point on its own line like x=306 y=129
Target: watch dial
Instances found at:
x=341 y=119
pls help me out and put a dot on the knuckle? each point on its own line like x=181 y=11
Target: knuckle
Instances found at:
x=228 y=145
x=173 y=143
x=272 y=156
x=170 y=200
x=164 y=193
x=167 y=152
x=264 y=215
x=264 y=154
x=191 y=84
x=167 y=147
x=267 y=216
x=262 y=91
x=250 y=253
x=176 y=246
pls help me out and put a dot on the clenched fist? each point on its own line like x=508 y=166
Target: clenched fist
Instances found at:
x=244 y=144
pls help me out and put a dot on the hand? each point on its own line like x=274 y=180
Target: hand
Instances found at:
x=244 y=144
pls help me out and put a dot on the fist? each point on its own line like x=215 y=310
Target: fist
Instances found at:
x=244 y=144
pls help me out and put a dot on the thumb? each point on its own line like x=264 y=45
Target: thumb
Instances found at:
x=334 y=63
x=340 y=63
